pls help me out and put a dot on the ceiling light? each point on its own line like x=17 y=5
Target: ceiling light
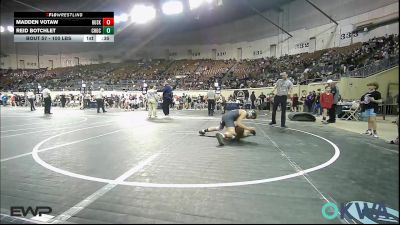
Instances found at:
x=1 y=29
x=142 y=14
x=172 y=7
x=193 y=4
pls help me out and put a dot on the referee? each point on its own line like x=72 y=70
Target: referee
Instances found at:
x=31 y=99
x=167 y=98
x=100 y=101
x=211 y=101
x=283 y=87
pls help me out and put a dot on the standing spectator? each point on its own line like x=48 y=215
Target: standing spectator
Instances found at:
x=63 y=99
x=317 y=106
x=4 y=99
x=283 y=87
x=109 y=100
x=82 y=101
x=314 y=99
x=371 y=101
x=396 y=141
x=336 y=95
x=47 y=101
x=116 y=102
x=86 y=101
x=25 y=99
x=184 y=100
x=12 y=100
x=269 y=102
x=172 y=105
x=211 y=101
x=17 y=100
x=262 y=97
x=309 y=102
x=189 y=101
x=218 y=102
x=326 y=100
x=132 y=103
x=31 y=99
x=295 y=103
x=223 y=104
x=303 y=100
x=39 y=100
x=167 y=98
x=176 y=103
x=152 y=100
x=253 y=99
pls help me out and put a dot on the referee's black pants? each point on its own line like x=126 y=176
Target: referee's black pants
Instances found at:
x=100 y=104
x=282 y=101
x=165 y=106
x=211 y=107
x=47 y=105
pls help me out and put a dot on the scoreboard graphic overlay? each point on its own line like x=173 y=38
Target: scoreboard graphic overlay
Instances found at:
x=64 y=27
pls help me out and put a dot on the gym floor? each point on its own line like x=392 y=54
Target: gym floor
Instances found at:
x=120 y=167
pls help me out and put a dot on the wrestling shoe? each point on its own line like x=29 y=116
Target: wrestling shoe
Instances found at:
x=202 y=132
x=368 y=132
x=220 y=138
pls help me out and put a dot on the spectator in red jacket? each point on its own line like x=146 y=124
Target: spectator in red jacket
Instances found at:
x=326 y=101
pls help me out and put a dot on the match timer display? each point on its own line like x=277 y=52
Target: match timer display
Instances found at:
x=63 y=27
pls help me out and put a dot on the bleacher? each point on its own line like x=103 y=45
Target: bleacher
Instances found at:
x=359 y=59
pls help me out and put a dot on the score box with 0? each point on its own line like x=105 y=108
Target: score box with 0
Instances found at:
x=108 y=21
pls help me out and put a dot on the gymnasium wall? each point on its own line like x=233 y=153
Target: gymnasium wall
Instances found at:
x=349 y=88
x=55 y=60
x=354 y=88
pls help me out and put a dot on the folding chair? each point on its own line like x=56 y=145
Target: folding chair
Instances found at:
x=352 y=113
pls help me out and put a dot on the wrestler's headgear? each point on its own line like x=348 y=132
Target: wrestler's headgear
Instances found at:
x=251 y=114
